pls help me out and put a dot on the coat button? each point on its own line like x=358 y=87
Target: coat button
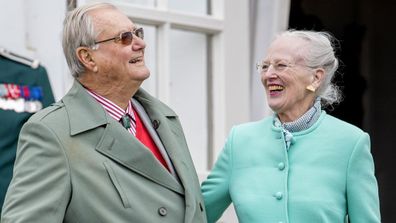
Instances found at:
x=278 y=195
x=156 y=124
x=281 y=166
x=162 y=211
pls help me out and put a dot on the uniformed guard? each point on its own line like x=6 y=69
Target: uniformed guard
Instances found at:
x=24 y=89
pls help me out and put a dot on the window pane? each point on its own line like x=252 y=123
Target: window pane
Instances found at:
x=188 y=94
x=198 y=7
x=145 y=3
x=150 y=33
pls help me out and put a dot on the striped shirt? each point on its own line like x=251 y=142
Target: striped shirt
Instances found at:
x=116 y=111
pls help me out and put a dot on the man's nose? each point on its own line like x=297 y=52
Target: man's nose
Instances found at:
x=138 y=44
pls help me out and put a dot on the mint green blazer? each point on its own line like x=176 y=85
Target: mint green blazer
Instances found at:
x=326 y=174
x=77 y=164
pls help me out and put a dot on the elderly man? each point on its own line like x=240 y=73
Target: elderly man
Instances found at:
x=108 y=151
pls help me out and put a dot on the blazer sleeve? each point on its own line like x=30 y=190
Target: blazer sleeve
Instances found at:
x=215 y=188
x=40 y=187
x=362 y=189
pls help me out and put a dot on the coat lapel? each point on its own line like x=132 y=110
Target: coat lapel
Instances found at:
x=171 y=135
x=167 y=128
x=121 y=147
x=116 y=143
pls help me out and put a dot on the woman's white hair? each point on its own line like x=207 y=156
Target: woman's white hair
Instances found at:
x=320 y=52
x=78 y=30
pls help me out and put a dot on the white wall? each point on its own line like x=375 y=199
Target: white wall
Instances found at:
x=33 y=29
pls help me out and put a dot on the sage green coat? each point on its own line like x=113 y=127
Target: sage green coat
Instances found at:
x=77 y=164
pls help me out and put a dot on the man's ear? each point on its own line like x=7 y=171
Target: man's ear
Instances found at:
x=85 y=56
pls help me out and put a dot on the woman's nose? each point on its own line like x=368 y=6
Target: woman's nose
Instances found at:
x=270 y=72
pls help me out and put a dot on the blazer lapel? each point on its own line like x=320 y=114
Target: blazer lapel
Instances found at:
x=116 y=143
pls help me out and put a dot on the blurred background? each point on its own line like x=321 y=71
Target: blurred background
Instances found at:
x=202 y=57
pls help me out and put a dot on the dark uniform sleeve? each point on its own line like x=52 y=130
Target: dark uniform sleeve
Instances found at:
x=12 y=72
x=43 y=81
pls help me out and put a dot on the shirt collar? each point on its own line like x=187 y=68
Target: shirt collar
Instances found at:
x=115 y=111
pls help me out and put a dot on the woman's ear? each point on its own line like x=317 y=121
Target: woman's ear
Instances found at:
x=85 y=56
x=318 y=77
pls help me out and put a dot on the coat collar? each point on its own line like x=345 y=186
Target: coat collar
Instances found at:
x=83 y=111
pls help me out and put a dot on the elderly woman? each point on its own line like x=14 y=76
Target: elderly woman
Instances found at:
x=300 y=165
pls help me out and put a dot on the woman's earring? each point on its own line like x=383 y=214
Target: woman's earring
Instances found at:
x=310 y=88
x=95 y=69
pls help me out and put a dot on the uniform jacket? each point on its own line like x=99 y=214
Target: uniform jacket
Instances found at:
x=327 y=173
x=77 y=164
x=15 y=73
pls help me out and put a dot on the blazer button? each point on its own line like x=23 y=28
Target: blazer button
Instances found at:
x=162 y=211
x=281 y=166
x=156 y=124
x=278 y=195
